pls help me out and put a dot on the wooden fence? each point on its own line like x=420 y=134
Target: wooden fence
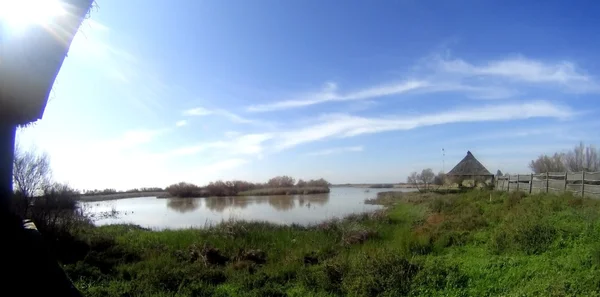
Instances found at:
x=580 y=183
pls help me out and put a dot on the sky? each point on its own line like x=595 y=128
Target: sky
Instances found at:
x=157 y=92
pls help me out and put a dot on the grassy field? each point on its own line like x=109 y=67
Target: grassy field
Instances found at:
x=479 y=243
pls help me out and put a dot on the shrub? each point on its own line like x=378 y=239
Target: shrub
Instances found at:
x=184 y=190
x=513 y=199
x=535 y=238
x=384 y=273
x=437 y=275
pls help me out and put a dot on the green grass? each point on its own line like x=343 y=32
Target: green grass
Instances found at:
x=479 y=243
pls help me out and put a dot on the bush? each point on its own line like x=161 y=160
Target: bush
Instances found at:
x=536 y=238
x=281 y=185
x=184 y=190
x=514 y=198
x=437 y=275
x=384 y=273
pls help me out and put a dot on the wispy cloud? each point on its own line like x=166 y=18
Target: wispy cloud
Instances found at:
x=250 y=144
x=522 y=71
x=201 y=111
x=132 y=138
x=340 y=125
x=329 y=94
x=181 y=123
x=495 y=79
x=336 y=150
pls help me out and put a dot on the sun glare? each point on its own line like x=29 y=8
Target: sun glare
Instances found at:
x=19 y=14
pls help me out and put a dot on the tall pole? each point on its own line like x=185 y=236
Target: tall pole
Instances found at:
x=443 y=160
x=7 y=150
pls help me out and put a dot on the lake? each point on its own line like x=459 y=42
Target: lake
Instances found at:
x=177 y=213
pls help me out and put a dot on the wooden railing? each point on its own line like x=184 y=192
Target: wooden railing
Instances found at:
x=581 y=183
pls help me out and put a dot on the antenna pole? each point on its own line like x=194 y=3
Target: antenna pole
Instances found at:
x=443 y=161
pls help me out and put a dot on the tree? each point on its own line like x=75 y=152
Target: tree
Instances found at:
x=498 y=173
x=545 y=163
x=440 y=179
x=31 y=173
x=422 y=180
x=301 y=183
x=281 y=182
x=582 y=158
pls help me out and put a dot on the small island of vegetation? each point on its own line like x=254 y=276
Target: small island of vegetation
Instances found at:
x=279 y=185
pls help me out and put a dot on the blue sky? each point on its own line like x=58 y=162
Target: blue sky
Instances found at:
x=156 y=92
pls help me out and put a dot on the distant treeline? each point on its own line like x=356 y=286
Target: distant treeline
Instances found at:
x=381 y=186
x=285 y=184
x=114 y=191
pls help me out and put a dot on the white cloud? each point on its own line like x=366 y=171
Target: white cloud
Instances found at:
x=181 y=123
x=132 y=138
x=336 y=150
x=201 y=111
x=347 y=126
x=523 y=70
x=496 y=79
x=249 y=144
x=329 y=94
x=198 y=111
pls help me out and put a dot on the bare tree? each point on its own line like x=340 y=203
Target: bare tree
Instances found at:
x=281 y=182
x=422 y=180
x=545 y=163
x=31 y=172
x=582 y=158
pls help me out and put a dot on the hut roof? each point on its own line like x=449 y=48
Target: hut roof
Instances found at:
x=31 y=59
x=469 y=166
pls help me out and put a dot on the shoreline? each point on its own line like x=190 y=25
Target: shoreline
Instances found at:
x=117 y=196
x=432 y=242
x=164 y=194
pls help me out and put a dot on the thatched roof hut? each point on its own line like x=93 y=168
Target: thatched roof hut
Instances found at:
x=469 y=166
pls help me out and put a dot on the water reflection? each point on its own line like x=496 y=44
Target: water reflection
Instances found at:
x=183 y=205
x=198 y=212
x=281 y=203
x=220 y=204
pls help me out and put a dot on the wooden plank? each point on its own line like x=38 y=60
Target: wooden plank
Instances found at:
x=513 y=178
x=583 y=184
x=538 y=184
x=592 y=189
x=574 y=188
x=556 y=184
x=592 y=176
x=556 y=174
x=555 y=191
x=574 y=176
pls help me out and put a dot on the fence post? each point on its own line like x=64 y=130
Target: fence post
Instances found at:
x=508 y=184
x=546 y=181
x=566 y=177
x=582 y=183
x=518 y=182
x=530 y=183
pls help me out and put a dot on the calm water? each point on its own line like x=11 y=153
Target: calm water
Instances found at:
x=175 y=213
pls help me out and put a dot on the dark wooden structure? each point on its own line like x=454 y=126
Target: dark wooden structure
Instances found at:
x=29 y=63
